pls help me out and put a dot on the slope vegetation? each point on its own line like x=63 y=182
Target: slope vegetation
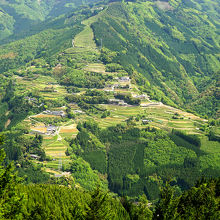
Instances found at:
x=18 y=16
x=89 y=99
x=174 y=44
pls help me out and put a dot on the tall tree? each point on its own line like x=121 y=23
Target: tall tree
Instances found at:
x=166 y=208
x=10 y=200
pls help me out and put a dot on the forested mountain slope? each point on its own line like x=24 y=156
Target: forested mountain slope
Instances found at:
x=174 y=44
x=101 y=95
x=53 y=201
x=49 y=201
x=20 y=16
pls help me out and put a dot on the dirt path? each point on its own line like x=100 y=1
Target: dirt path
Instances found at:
x=58 y=133
x=7 y=123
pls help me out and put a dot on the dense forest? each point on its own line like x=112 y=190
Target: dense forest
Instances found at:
x=23 y=18
x=51 y=201
x=133 y=158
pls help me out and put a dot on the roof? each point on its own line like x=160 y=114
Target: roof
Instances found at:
x=34 y=156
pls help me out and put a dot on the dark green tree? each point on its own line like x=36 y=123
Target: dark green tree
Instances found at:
x=201 y=202
x=137 y=210
x=10 y=200
x=166 y=207
x=99 y=207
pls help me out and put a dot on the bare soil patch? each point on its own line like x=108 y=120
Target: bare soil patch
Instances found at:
x=45 y=116
x=7 y=123
x=164 y=5
x=63 y=130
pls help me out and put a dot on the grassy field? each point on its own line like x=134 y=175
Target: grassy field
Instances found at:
x=85 y=38
x=95 y=67
x=212 y=158
x=40 y=83
x=68 y=131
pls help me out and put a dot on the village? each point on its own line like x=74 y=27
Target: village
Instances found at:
x=125 y=102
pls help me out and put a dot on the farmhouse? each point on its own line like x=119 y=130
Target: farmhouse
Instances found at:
x=122 y=103
x=125 y=79
x=117 y=102
x=109 y=89
x=127 y=86
x=51 y=129
x=142 y=96
x=30 y=99
x=146 y=121
x=34 y=156
x=57 y=113
x=36 y=132
x=114 y=101
x=40 y=105
x=78 y=111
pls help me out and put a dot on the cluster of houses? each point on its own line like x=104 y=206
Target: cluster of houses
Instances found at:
x=30 y=99
x=117 y=102
x=146 y=121
x=111 y=88
x=123 y=79
x=100 y=8
x=142 y=96
x=33 y=101
x=50 y=130
x=78 y=112
x=56 y=113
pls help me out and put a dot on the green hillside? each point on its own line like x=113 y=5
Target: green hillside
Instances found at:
x=123 y=95
x=53 y=201
x=174 y=44
x=19 y=17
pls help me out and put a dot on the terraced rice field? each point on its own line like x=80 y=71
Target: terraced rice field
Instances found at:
x=39 y=129
x=161 y=117
x=95 y=67
x=109 y=121
x=69 y=131
x=56 y=149
x=45 y=116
